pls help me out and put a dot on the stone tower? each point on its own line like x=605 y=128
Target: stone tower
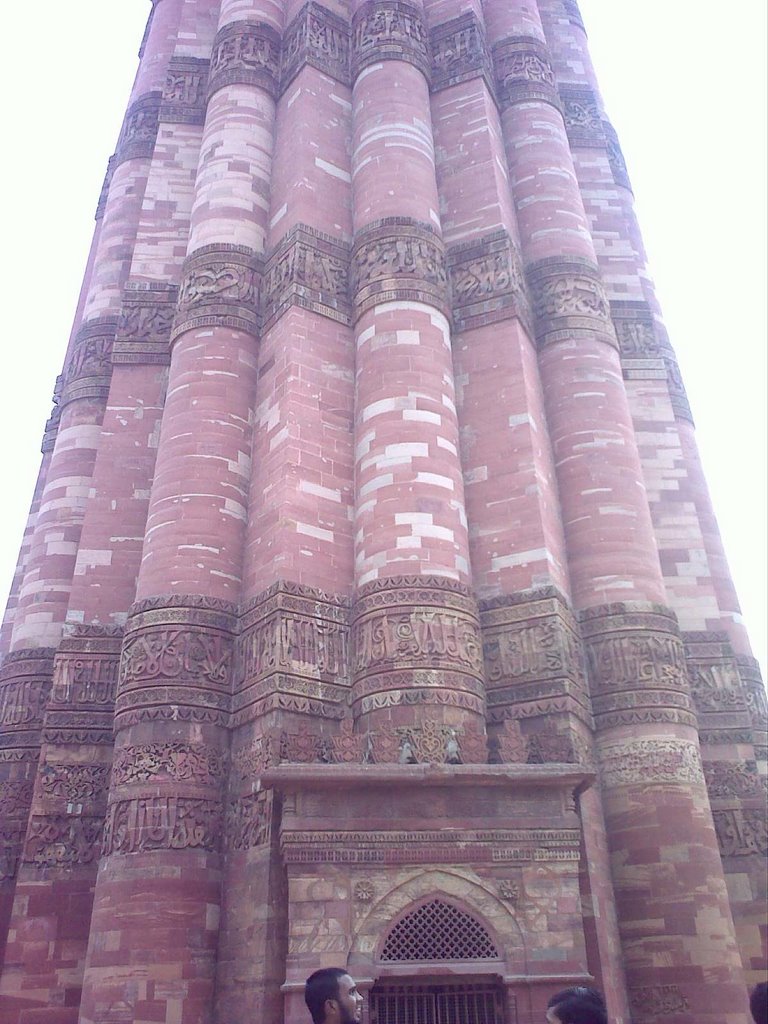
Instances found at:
x=372 y=610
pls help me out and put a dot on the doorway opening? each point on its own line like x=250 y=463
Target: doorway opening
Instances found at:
x=435 y=1002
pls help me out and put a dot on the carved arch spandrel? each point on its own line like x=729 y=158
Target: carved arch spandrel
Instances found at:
x=466 y=891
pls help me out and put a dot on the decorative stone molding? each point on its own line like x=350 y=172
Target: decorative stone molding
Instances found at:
x=716 y=687
x=616 y=159
x=101 y=205
x=389 y=30
x=201 y=764
x=487 y=283
x=162 y=823
x=81 y=705
x=139 y=131
x=219 y=288
x=146 y=318
x=524 y=73
x=733 y=780
x=583 y=121
x=245 y=53
x=650 y=761
x=185 y=91
x=569 y=300
x=635 y=329
x=292 y=644
x=460 y=53
x=308 y=269
x=62 y=840
x=88 y=370
x=74 y=783
x=398 y=259
x=429 y=742
x=741 y=833
x=25 y=685
x=316 y=38
x=636 y=666
x=248 y=822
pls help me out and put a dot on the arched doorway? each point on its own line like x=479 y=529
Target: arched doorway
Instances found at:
x=437 y=967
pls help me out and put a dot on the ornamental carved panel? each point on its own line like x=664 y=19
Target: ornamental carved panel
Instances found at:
x=317 y=38
x=178 y=654
x=616 y=159
x=139 y=131
x=88 y=369
x=307 y=269
x=389 y=30
x=201 y=764
x=63 y=840
x=635 y=329
x=651 y=1001
x=523 y=70
x=185 y=91
x=733 y=779
x=248 y=821
x=162 y=823
x=645 y=762
x=245 y=53
x=398 y=259
x=583 y=121
x=569 y=298
x=741 y=833
x=487 y=282
x=74 y=783
x=146 y=318
x=219 y=287
x=459 y=52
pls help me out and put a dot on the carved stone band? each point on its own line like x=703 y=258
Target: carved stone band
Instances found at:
x=88 y=370
x=523 y=71
x=245 y=53
x=389 y=30
x=398 y=259
x=417 y=632
x=581 y=113
x=487 y=283
x=636 y=666
x=650 y=761
x=459 y=52
x=25 y=684
x=569 y=300
x=184 y=92
x=162 y=823
x=320 y=39
x=146 y=318
x=616 y=157
x=307 y=269
x=139 y=131
x=635 y=329
x=219 y=287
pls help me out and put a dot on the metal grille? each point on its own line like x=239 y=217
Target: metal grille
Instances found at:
x=439 y=931
x=437 y=1004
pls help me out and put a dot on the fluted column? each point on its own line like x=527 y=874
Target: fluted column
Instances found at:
x=172 y=706
x=652 y=781
x=415 y=620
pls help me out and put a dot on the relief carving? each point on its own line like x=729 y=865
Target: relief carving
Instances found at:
x=568 y=296
x=23 y=703
x=181 y=762
x=398 y=259
x=635 y=329
x=220 y=286
x=318 y=38
x=146 y=318
x=524 y=72
x=245 y=53
x=741 y=832
x=139 y=131
x=652 y=1000
x=11 y=842
x=651 y=761
x=677 y=392
x=615 y=157
x=184 y=92
x=15 y=797
x=581 y=113
x=248 y=821
x=74 y=783
x=731 y=779
x=389 y=30
x=186 y=654
x=310 y=270
x=162 y=823
x=459 y=52
x=641 y=658
x=89 y=367
x=62 y=840
x=417 y=634
x=428 y=743
x=487 y=282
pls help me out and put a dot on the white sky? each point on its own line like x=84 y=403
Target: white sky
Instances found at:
x=684 y=85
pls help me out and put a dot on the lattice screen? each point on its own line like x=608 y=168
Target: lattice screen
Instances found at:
x=439 y=931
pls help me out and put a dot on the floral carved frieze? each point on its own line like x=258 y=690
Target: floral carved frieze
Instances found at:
x=162 y=823
x=74 y=783
x=146 y=318
x=201 y=764
x=245 y=53
x=185 y=91
x=487 y=282
x=459 y=52
x=320 y=39
x=523 y=71
x=398 y=259
x=389 y=30
x=219 y=287
x=568 y=300
x=308 y=269
x=139 y=131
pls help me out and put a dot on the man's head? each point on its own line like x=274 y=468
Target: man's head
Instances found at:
x=758 y=1003
x=332 y=997
x=579 y=1005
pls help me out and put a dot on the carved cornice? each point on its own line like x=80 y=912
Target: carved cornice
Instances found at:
x=317 y=38
x=139 y=131
x=146 y=317
x=523 y=70
x=88 y=370
x=583 y=121
x=185 y=91
x=219 y=288
x=245 y=53
x=569 y=300
x=308 y=269
x=398 y=258
x=389 y=30
x=460 y=53
x=487 y=283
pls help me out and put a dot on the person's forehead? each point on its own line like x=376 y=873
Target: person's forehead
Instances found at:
x=347 y=981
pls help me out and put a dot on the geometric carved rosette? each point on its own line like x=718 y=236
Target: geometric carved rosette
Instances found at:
x=389 y=30
x=636 y=667
x=177 y=662
x=569 y=300
x=219 y=288
x=292 y=654
x=398 y=259
x=416 y=641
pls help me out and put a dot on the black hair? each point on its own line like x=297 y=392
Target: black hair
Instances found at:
x=758 y=1003
x=320 y=987
x=579 y=1005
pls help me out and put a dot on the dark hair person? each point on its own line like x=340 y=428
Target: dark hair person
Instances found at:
x=758 y=1003
x=578 y=1005
x=332 y=998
